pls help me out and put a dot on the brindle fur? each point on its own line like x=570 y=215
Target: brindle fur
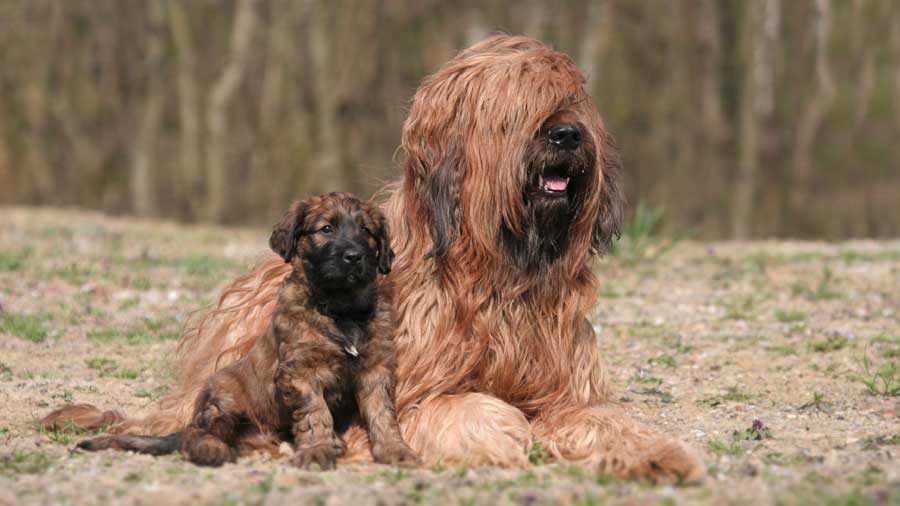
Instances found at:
x=301 y=378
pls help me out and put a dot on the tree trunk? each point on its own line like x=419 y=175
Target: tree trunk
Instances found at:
x=895 y=53
x=143 y=189
x=814 y=114
x=596 y=41
x=217 y=108
x=762 y=23
x=190 y=160
x=713 y=131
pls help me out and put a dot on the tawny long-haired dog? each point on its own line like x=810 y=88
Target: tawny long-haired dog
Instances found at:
x=326 y=361
x=510 y=189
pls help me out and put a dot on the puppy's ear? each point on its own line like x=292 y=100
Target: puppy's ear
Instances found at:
x=284 y=234
x=612 y=202
x=383 y=240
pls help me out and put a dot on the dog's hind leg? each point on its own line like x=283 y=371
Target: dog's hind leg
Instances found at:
x=151 y=445
x=212 y=437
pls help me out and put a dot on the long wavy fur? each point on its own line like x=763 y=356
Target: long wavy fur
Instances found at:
x=491 y=354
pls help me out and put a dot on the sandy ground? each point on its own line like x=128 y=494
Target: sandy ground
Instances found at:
x=703 y=342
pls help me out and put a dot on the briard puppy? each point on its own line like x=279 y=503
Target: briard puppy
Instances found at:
x=510 y=190
x=327 y=358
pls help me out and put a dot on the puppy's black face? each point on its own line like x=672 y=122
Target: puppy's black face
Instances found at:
x=339 y=241
x=340 y=250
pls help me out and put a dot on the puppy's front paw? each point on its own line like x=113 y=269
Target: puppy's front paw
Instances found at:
x=324 y=455
x=210 y=451
x=395 y=454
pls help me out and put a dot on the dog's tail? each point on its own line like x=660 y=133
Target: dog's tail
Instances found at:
x=151 y=445
x=83 y=417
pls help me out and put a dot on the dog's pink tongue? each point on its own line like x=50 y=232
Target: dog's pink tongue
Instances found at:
x=556 y=184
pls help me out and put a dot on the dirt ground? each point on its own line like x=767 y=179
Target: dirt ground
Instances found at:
x=779 y=362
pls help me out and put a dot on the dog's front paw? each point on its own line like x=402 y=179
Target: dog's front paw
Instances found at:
x=395 y=454
x=324 y=454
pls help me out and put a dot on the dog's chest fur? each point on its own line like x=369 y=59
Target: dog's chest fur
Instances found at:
x=307 y=339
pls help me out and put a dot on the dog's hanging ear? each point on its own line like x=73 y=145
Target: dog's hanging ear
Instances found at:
x=383 y=240
x=441 y=197
x=284 y=234
x=612 y=202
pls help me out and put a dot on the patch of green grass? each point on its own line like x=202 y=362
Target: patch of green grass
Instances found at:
x=75 y=274
x=679 y=346
x=881 y=379
x=782 y=349
x=102 y=364
x=741 y=307
x=68 y=434
x=663 y=396
x=163 y=328
x=726 y=447
x=647 y=380
x=146 y=332
x=829 y=344
x=611 y=290
x=734 y=394
x=154 y=394
x=785 y=460
x=646 y=329
x=13 y=260
x=646 y=238
x=66 y=396
x=879 y=441
x=133 y=477
x=141 y=283
x=757 y=432
x=128 y=374
x=732 y=446
x=110 y=368
x=537 y=455
x=817 y=403
x=821 y=291
x=31 y=327
x=666 y=360
x=22 y=462
x=129 y=303
x=789 y=315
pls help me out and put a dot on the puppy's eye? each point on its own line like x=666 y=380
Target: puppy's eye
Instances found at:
x=326 y=230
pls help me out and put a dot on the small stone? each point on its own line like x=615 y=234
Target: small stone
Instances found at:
x=285 y=449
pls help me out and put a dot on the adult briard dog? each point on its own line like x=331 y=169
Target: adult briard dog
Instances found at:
x=510 y=190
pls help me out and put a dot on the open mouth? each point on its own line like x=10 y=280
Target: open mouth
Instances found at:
x=554 y=181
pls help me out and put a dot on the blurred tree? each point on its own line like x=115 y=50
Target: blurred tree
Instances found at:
x=741 y=118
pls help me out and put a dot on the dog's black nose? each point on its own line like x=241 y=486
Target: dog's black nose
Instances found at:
x=352 y=256
x=565 y=136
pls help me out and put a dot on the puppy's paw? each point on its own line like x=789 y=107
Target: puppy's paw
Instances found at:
x=210 y=451
x=395 y=454
x=324 y=455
